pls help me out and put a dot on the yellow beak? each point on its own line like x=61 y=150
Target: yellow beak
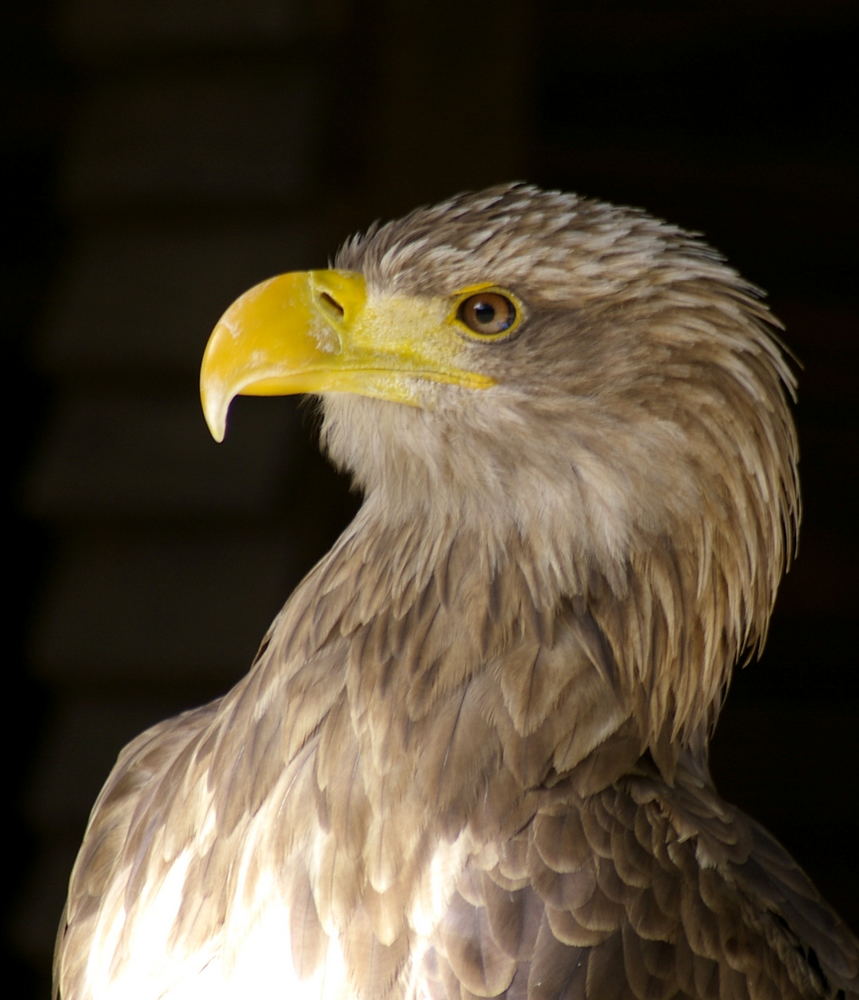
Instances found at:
x=320 y=331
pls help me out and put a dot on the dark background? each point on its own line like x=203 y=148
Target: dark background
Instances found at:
x=167 y=156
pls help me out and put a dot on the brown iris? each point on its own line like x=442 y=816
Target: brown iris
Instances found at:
x=487 y=313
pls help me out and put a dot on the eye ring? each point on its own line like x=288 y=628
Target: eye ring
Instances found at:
x=491 y=314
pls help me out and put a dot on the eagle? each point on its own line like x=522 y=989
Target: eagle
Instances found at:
x=470 y=758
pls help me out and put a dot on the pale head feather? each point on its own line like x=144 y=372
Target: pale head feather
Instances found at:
x=638 y=446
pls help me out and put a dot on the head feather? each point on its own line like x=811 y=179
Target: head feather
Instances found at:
x=638 y=450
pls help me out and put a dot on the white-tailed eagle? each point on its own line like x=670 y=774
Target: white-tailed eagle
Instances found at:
x=470 y=759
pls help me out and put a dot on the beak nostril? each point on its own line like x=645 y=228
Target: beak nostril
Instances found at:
x=331 y=304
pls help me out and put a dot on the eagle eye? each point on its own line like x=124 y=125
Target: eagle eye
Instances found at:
x=487 y=313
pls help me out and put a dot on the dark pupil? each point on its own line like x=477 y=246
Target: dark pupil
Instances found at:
x=484 y=313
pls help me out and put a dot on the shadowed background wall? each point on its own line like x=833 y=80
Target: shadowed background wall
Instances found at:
x=167 y=156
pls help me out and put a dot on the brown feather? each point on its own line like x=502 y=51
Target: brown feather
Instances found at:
x=470 y=757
